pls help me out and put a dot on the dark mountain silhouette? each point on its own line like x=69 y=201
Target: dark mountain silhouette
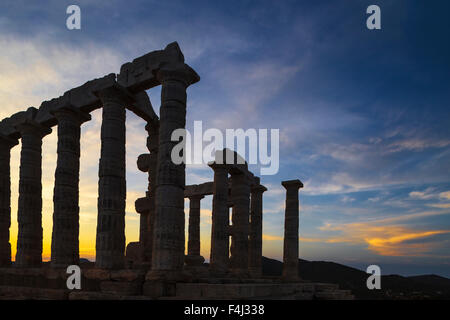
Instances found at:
x=392 y=286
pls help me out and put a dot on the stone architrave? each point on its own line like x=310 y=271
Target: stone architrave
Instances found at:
x=291 y=225
x=65 y=243
x=6 y=144
x=29 y=215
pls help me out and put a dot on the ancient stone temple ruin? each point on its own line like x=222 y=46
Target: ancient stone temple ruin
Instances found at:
x=157 y=266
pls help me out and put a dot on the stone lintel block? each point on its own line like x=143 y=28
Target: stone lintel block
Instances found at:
x=199 y=189
x=8 y=142
x=140 y=74
x=292 y=184
x=8 y=125
x=83 y=97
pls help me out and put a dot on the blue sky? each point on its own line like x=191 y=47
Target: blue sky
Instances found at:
x=363 y=115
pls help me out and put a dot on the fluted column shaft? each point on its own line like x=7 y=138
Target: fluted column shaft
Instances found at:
x=168 y=238
x=65 y=242
x=110 y=244
x=194 y=226
x=5 y=199
x=256 y=228
x=240 y=193
x=149 y=222
x=219 y=257
x=29 y=216
x=291 y=225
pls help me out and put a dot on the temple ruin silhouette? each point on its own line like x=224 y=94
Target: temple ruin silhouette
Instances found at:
x=156 y=267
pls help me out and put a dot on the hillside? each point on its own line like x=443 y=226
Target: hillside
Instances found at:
x=392 y=286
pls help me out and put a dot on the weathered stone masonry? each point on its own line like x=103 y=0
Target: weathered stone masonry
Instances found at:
x=65 y=245
x=236 y=248
x=5 y=198
x=291 y=224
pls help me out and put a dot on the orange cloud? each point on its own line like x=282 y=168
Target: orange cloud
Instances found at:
x=385 y=240
x=272 y=238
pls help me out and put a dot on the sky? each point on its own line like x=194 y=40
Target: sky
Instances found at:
x=363 y=114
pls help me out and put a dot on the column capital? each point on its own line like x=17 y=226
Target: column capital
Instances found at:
x=34 y=127
x=8 y=142
x=292 y=184
x=258 y=189
x=68 y=111
x=196 y=197
x=178 y=72
x=116 y=93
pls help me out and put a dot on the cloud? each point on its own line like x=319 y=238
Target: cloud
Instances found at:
x=416 y=144
x=347 y=199
x=445 y=195
x=387 y=239
x=267 y=237
x=440 y=205
x=34 y=70
x=423 y=195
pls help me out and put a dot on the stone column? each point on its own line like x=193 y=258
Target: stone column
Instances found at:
x=256 y=228
x=240 y=193
x=29 y=216
x=168 y=238
x=110 y=244
x=194 y=229
x=152 y=146
x=6 y=144
x=290 y=250
x=65 y=243
x=219 y=257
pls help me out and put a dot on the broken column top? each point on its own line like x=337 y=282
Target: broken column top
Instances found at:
x=141 y=73
x=292 y=184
